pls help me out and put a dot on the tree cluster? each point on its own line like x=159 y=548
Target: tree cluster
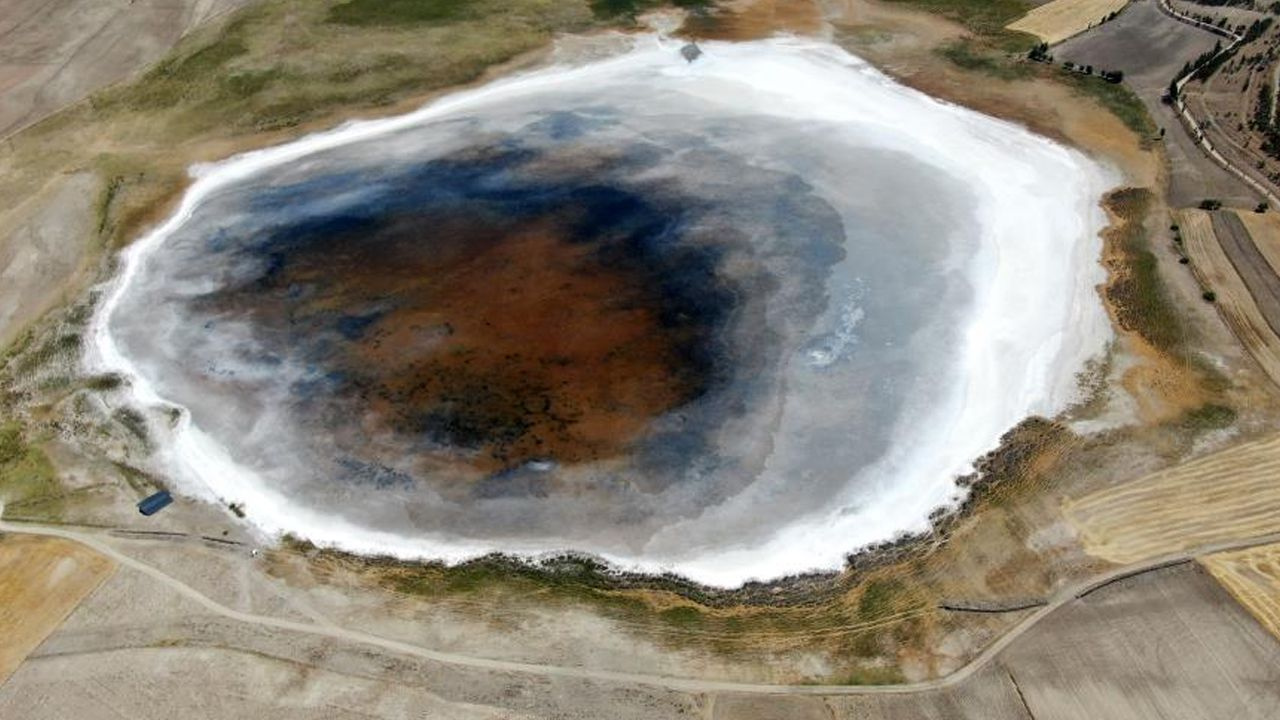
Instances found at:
x=1111 y=76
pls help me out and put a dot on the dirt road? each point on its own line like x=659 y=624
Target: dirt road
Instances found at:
x=1063 y=597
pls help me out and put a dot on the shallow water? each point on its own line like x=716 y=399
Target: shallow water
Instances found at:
x=730 y=318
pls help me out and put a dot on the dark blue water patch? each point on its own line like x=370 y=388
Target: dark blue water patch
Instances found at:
x=353 y=327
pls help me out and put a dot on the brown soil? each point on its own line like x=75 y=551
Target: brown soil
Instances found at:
x=524 y=345
x=754 y=19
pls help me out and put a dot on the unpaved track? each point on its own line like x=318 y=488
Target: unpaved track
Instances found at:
x=1063 y=597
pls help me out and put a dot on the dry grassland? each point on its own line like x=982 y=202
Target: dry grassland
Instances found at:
x=1222 y=496
x=1252 y=576
x=1236 y=305
x=1056 y=21
x=41 y=581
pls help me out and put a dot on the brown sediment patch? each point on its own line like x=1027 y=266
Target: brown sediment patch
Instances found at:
x=754 y=19
x=504 y=346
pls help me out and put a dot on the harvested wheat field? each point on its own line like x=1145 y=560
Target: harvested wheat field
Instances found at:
x=1056 y=21
x=1252 y=576
x=41 y=581
x=1223 y=496
x=1214 y=271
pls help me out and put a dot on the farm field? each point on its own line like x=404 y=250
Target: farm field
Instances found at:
x=1061 y=19
x=41 y=581
x=1222 y=496
x=1237 y=306
x=1252 y=266
x=1252 y=576
x=1169 y=644
x=1264 y=228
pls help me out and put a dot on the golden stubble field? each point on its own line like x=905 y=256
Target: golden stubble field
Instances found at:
x=41 y=581
x=1227 y=495
x=1252 y=576
x=1056 y=21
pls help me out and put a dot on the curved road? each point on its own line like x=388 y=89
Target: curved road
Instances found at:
x=1062 y=597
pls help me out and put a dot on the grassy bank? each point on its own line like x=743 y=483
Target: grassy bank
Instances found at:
x=860 y=625
x=28 y=483
x=1137 y=292
x=1117 y=99
x=985 y=19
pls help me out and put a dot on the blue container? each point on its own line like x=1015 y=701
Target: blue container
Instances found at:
x=153 y=504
